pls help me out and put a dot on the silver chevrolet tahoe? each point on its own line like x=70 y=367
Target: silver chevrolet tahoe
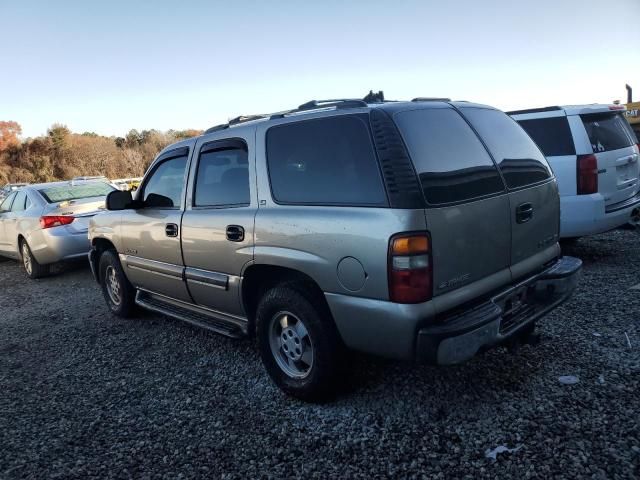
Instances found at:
x=424 y=230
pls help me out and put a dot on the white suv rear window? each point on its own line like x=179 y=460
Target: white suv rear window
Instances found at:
x=608 y=131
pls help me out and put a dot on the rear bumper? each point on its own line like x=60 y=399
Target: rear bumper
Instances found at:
x=458 y=338
x=57 y=244
x=414 y=332
x=582 y=215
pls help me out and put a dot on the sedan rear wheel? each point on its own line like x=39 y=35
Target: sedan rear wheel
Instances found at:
x=31 y=266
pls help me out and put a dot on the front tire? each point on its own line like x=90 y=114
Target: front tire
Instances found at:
x=116 y=288
x=299 y=343
x=31 y=266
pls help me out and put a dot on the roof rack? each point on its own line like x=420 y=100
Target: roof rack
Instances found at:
x=337 y=103
x=431 y=99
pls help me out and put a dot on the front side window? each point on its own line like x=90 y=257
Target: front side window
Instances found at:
x=519 y=159
x=450 y=160
x=552 y=135
x=164 y=187
x=608 y=131
x=19 y=202
x=327 y=161
x=222 y=178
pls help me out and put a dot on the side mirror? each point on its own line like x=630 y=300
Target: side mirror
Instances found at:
x=119 y=200
x=155 y=200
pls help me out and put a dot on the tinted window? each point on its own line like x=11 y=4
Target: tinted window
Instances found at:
x=5 y=206
x=608 y=131
x=68 y=192
x=328 y=161
x=223 y=178
x=519 y=159
x=552 y=135
x=451 y=162
x=19 y=202
x=164 y=188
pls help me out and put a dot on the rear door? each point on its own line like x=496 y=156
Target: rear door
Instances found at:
x=5 y=214
x=468 y=206
x=150 y=235
x=218 y=224
x=534 y=204
x=609 y=137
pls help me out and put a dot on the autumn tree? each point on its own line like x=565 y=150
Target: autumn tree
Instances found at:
x=9 y=132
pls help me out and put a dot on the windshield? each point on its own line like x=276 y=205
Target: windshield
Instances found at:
x=65 y=193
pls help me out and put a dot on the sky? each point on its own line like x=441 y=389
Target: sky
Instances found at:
x=111 y=66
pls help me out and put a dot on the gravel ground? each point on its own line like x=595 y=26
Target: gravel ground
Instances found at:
x=85 y=394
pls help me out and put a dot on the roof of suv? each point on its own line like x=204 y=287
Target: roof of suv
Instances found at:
x=559 y=110
x=325 y=108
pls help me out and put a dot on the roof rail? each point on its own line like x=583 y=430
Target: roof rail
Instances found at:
x=216 y=128
x=338 y=103
x=245 y=118
x=431 y=99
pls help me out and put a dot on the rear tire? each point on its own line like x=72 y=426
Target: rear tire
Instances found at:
x=299 y=344
x=116 y=288
x=31 y=266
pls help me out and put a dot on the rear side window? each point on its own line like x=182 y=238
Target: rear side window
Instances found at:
x=552 y=135
x=608 y=131
x=327 y=161
x=451 y=162
x=19 y=202
x=223 y=178
x=6 y=204
x=519 y=159
x=69 y=192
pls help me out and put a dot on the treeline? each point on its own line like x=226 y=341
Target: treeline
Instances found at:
x=62 y=154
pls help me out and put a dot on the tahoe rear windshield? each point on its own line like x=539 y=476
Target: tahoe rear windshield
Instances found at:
x=65 y=193
x=608 y=131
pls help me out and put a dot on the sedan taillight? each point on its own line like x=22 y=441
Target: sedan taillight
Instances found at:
x=587 y=174
x=410 y=269
x=49 y=221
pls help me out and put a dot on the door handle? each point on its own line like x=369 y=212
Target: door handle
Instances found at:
x=524 y=212
x=171 y=230
x=235 y=233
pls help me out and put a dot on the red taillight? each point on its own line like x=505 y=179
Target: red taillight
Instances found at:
x=49 y=221
x=587 y=174
x=410 y=269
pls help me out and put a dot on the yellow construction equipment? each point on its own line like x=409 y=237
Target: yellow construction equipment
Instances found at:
x=633 y=112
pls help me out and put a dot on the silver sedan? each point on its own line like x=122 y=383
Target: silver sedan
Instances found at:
x=47 y=223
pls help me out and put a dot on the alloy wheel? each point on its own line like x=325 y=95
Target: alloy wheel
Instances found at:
x=112 y=283
x=291 y=345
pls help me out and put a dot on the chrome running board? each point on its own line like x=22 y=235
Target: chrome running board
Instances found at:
x=230 y=326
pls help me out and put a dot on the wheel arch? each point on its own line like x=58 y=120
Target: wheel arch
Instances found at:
x=98 y=247
x=258 y=278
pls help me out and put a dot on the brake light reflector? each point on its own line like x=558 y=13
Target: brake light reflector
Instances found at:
x=410 y=269
x=587 y=174
x=49 y=221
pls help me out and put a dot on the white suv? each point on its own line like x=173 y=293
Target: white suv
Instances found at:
x=594 y=154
